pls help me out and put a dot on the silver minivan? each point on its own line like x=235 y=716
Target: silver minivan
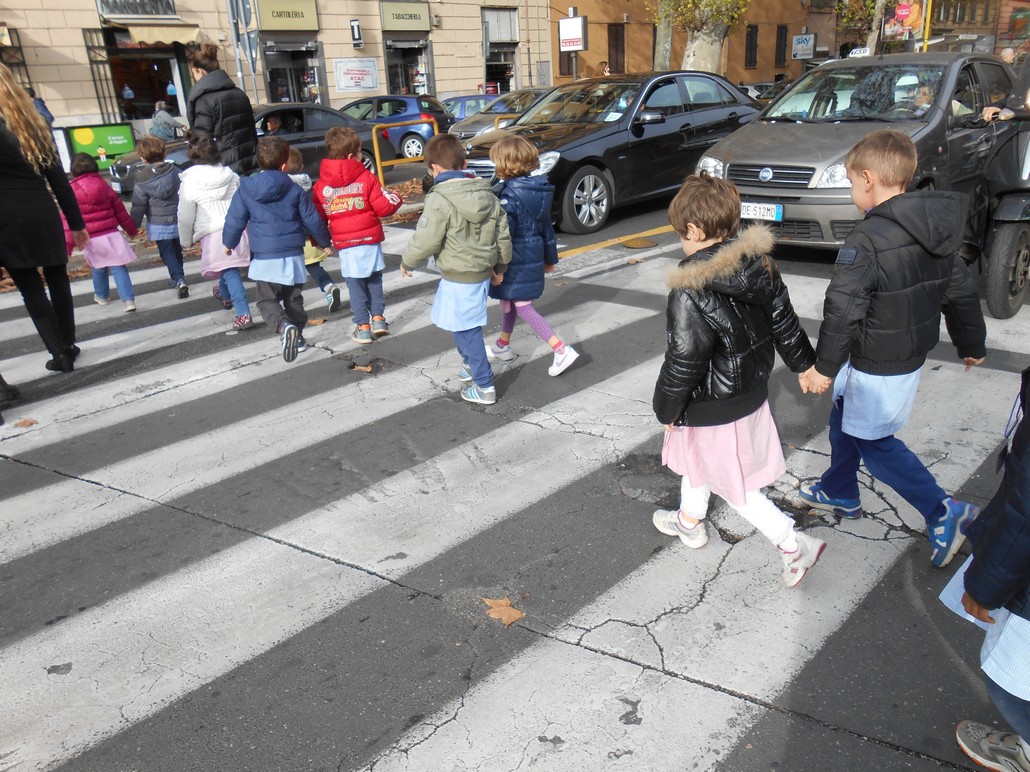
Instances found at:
x=788 y=163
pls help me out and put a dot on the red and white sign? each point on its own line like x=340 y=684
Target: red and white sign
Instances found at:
x=902 y=12
x=572 y=33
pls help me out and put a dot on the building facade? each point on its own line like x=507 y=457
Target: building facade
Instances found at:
x=108 y=61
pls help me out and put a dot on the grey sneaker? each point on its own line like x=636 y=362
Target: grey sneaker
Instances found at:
x=380 y=327
x=362 y=335
x=796 y=564
x=667 y=521
x=129 y=306
x=500 y=353
x=990 y=748
x=290 y=335
x=101 y=301
x=479 y=395
x=464 y=374
x=333 y=298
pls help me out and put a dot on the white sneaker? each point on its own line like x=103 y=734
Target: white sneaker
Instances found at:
x=129 y=306
x=101 y=301
x=796 y=564
x=668 y=522
x=500 y=353
x=563 y=361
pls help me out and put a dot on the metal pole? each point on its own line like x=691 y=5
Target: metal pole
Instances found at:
x=928 y=9
x=255 y=41
x=235 y=41
x=529 y=47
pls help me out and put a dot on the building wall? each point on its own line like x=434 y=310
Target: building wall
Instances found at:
x=58 y=65
x=767 y=15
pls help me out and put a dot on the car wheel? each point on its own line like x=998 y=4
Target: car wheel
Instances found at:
x=1008 y=263
x=586 y=202
x=369 y=161
x=412 y=146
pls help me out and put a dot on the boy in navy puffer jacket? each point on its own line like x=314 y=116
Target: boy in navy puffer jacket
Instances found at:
x=278 y=216
x=156 y=197
x=527 y=201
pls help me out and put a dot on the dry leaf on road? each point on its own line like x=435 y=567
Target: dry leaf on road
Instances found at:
x=501 y=608
x=635 y=260
x=363 y=368
x=26 y=422
x=315 y=322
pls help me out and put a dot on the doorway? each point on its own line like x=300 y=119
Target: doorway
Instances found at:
x=293 y=76
x=407 y=67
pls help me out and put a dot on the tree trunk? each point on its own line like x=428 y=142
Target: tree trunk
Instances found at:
x=874 y=28
x=663 y=39
x=704 y=49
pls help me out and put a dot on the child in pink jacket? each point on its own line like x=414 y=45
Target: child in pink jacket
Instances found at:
x=108 y=251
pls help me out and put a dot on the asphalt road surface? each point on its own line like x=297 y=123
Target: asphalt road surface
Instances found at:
x=214 y=560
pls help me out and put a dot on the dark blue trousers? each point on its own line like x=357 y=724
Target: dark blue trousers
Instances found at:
x=171 y=253
x=473 y=353
x=889 y=460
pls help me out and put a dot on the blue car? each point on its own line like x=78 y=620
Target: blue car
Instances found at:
x=462 y=107
x=410 y=141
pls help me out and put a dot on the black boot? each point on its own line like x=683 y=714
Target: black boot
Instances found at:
x=61 y=363
x=8 y=393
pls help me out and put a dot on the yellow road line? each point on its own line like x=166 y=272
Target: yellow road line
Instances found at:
x=610 y=242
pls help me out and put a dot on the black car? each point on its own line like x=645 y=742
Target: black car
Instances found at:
x=303 y=125
x=619 y=139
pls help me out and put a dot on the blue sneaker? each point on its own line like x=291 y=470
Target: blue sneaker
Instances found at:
x=479 y=395
x=949 y=533
x=464 y=374
x=814 y=495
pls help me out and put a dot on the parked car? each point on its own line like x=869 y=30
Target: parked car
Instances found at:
x=773 y=90
x=500 y=112
x=789 y=162
x=410 y=141
x=303 y=125
x=755 y=90
x=462 y=107
x=609 y=141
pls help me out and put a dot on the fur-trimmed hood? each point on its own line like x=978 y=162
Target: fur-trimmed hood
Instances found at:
x=720 y=268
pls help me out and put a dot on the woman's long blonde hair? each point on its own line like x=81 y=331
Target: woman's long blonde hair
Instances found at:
x=25 y=123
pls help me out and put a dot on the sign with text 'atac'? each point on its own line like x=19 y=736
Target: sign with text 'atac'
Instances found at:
x=803 y=47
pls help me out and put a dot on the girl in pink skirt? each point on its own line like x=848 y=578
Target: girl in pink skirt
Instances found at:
x=108 y=251
x=205 y=190
x=728 y=313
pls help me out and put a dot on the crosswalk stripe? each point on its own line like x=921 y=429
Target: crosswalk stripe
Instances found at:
x=139 y=652
x=74 y=506
x=676 y=634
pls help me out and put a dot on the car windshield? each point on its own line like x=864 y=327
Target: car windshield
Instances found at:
x=588 y=102
x=863 y=92
x=513 y=102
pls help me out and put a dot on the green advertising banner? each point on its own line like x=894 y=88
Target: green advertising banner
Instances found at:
x=104 y=142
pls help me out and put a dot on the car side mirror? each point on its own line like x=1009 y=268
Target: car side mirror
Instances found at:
x=649 y=116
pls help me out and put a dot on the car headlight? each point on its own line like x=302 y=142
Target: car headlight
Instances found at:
x=835 y=176
x=547 y=162
x=711 y=166
x=488 y=128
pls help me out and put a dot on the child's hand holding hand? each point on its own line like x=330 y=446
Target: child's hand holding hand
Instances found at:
x=548 y=268
x=496 y=279
x=228 y=251
x=975 y=610
x=81 y=238
x=813 y=382
x=668 y=427
x=972 y=362
x=406 y=273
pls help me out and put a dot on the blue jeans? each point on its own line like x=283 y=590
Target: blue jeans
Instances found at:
x=102 y=282
x=171 y=253
x=230 y=284
x=366 y=297
x=473 y=353
x=1013 y=709
x=320 y=275
x=889 y=460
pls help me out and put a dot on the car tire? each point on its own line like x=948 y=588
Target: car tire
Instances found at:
x=412 y=146
x=368 y=161
x=1008 y=263
x=586 y=201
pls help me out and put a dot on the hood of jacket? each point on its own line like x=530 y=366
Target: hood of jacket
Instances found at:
x=151 y=171
x=473 y=198
x=303 y=180
x=216 y=80
x=267 y=186
x=929 y=217
x=215 y=180
x=535 y=194
x=90 y=188
x=339 y=172
x=719 y=268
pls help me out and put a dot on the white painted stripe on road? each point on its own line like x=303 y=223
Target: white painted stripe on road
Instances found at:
x=138 y=653
x=682 y=620
x=71 y=507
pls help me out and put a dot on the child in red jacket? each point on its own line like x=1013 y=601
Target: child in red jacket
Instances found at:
x=108 y=251
x=351 y=201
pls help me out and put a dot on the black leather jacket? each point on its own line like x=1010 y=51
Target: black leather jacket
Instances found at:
x=729 y=312
x=216 y=108
x=897 y=271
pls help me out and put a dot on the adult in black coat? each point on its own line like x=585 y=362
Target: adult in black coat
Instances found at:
x=31 y=234
x=999 y=578
x=217 y=108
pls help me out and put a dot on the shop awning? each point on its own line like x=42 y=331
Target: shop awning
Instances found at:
x=184 y=34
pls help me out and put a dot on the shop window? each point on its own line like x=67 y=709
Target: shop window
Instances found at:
x=617 y=48
x=100 y=69
x=781 y=45
x=13 y=56
x=751 y=47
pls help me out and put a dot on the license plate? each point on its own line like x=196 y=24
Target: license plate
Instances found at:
x=773 y=212
x=117 y=186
